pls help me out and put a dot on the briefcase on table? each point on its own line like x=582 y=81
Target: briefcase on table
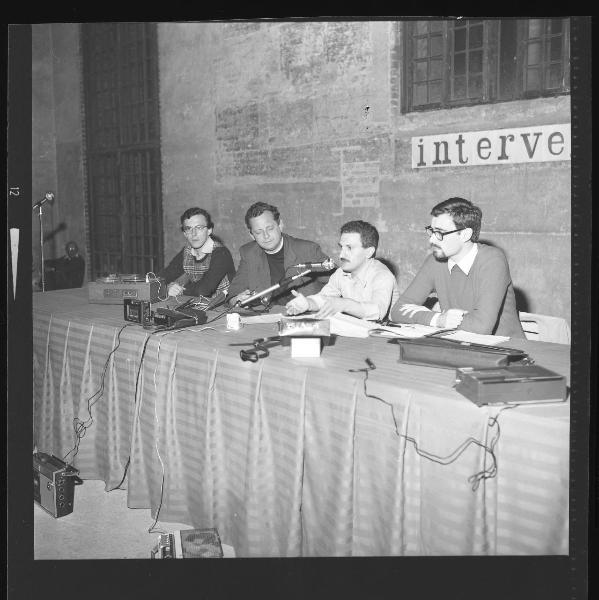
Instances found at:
x=453 y=354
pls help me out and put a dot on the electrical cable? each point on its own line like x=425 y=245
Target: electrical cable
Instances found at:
x=474 y=479
x=155 y=278
x=80 y=427
x=141 y=360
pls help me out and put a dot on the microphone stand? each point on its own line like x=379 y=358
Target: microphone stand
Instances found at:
x=281 y=283
x=43 y=269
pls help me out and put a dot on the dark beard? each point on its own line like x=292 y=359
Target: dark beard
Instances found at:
x=442 y=258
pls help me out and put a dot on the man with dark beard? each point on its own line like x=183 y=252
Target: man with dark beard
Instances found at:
x=472 y=280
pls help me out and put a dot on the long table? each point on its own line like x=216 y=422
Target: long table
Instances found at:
x=298 y=457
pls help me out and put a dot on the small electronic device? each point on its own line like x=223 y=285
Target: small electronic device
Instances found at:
x=183 y=317
x=189 y=543
x=53 y=484
x=137 y=311
x=514 y=384
x=115 y=288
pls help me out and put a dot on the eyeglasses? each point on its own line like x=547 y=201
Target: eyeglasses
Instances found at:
x=188 y=230
x=440 y=234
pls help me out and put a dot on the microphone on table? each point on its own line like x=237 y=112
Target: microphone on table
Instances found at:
x=49 y=197
x=325 y=265
x=276 y=286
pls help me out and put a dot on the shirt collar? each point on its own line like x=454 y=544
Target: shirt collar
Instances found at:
x=360 y=276
x=207 y=248
x=278 y=248
x=465 y=263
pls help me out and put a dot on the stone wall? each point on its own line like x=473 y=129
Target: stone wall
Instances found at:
x=287 y=112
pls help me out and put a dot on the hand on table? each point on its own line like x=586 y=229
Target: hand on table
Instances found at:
x=452 y=317
x=300 y=304
x=240 y=297
x=330 y=307
x=174 y=289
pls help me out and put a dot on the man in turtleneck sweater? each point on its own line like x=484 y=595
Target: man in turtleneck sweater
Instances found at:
x=271 y=257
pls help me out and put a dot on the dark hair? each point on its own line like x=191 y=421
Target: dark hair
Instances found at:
x=190 y=212
x=369 y=236
x=256 y=209
x=463 y=212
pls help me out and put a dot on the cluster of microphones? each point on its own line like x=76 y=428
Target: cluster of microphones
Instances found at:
x=325 y=265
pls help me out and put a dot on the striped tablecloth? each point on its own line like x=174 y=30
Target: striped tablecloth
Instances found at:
x=293 y=457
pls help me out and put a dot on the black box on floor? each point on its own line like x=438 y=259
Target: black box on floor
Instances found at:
x=54 y=484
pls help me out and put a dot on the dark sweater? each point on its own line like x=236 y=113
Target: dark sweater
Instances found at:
x=221 y=264
x=487 y=293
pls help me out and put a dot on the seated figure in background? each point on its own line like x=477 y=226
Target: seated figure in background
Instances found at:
x=267 y=259
x=204 y=267
x=65 y=272
x=472 y=280
x=362 y=287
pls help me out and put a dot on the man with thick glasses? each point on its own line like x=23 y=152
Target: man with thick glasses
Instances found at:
x=472 y=280
x=204 y=267
x=271 y=257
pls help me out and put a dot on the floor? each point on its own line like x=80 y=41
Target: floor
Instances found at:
x=101 y=526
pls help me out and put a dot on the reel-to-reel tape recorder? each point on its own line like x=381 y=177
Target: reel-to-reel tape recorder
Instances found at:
x=114 y=288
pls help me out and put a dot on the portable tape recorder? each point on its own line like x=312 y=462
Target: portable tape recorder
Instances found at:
x=54 y=484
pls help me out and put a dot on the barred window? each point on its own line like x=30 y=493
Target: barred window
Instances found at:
x=473 y=61
x=545 y=50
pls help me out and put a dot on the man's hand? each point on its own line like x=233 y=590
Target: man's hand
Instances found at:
x=330 y=307
x=174 y=289
x=298 y=305
x=240 y=297
x=451 y=318
x=409 y=310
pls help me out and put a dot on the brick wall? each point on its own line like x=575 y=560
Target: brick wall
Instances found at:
x=286 y=112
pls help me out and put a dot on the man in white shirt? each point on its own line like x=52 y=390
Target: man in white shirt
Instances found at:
x=362 y=287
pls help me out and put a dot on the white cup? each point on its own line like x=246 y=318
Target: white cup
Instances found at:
x=234 y=322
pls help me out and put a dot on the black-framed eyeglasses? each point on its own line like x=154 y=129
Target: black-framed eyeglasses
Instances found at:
x=440 y=234
x=191 y=229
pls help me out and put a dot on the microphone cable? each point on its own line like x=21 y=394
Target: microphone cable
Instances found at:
x=493 y=421
x=80 y=427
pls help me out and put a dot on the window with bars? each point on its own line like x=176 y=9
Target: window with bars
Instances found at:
x=120 y=85
x=473 y=61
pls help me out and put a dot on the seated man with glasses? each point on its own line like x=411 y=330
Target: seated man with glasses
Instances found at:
x=472 y=280
x=204 y=267
x=271 y=257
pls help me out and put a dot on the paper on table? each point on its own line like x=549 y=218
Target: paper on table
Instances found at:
x=475 y=338
x=408 y=330
x=415 y=330
x=349 y=326
x=265 y=318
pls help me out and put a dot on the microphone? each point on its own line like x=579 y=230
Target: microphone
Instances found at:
x=281 y=283
x=49 y=197
x=327 y=265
